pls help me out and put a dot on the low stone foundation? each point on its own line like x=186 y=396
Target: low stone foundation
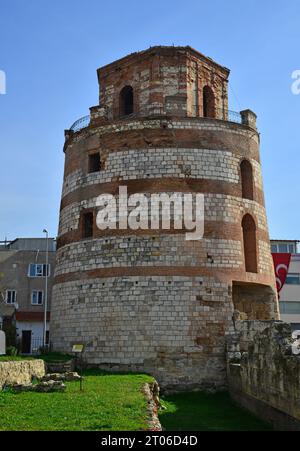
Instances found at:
x=61 y=367
x=68 y=377
x=263 y=372
x=181 y=374
x=42 y=387
x=21 y=372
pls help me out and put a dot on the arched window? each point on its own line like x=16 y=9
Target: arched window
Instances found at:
x=209 y=109
x=247 y=179
x=249 y=239
x=126 y=101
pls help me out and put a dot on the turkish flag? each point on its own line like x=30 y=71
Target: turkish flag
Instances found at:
x=281 y=267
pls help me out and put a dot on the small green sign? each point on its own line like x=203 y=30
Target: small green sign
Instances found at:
x=77 y=348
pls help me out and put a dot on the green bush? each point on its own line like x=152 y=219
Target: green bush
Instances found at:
x=10 y=333
x=11 y=351
x=44 y=350
x=55 y=356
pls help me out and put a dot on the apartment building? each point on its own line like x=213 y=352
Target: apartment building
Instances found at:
x=289 y=296
x=23 y=273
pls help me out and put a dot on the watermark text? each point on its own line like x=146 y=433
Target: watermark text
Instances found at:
x=296 y=84
x=163 y=211
x=2 y=82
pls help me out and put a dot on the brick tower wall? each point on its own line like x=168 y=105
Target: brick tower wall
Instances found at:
x=150 y=300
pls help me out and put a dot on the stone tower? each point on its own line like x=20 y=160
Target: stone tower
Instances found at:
x=150 y=300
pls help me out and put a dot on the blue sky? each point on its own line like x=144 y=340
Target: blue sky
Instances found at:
x=50 y=52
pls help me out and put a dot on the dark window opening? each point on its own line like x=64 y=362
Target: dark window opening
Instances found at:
x=26 y=342
x=247 y=179
x=88 y=225
x=249 y=239
x=126 y=101
x=208 y=102
x=94 y=162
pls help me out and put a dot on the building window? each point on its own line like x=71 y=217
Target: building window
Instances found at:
x=37 y=297
x=209 y=109
x=88 y=225
x=94 y=162
x=126 y=101
x=249 y=239
x=38 y=270
x=247 y=179
x=289 y=308
x=283 y=248
x=293 y=279
x=295 y=327
x=11 y=297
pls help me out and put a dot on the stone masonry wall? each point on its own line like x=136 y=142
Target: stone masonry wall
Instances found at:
x=186 y=132
x=218 y=208
x=141 y=251
x=178 y=333
x=263 y=373
x=163 y=162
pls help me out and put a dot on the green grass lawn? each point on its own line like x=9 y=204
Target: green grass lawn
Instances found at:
x=55 y=357
x=109 y=402
x=112 y=402
x=207 y=412
x=10 y=358
x=51 y=357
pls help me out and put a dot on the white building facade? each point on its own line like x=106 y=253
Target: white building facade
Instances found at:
x=23 y=272
x=289 y=296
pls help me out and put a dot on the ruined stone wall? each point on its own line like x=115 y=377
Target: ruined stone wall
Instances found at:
x=252 y=300
x=21 y=372
x=263 y=373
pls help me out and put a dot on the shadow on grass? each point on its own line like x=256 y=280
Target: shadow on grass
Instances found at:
x=207 y=412
x=99 y=372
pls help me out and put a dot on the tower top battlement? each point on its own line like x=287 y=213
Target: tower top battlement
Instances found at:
x=164 y=80
x=163 y=50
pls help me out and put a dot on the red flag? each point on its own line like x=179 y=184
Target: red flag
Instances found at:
x=281 y=267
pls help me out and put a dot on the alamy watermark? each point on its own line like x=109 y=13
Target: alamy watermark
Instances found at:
x=2 y=82
x=164 y=211
x=296 y=84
